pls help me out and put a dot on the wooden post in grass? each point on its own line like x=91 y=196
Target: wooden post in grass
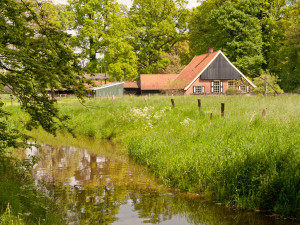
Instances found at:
x=131 y=96
x=266 y=89
x=199 y=104
x=211 y=115
x=149 y=96
x=4 y=100
x=11 y=99
x=146 y=101
x=222 y=109
x=173 y=102
x=264 y=113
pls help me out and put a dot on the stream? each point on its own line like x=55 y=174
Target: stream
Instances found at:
x=107 y=187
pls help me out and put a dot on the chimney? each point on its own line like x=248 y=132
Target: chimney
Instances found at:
x=210 y=50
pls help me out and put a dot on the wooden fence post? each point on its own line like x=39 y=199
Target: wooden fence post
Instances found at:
x=266 y=88
x=222 y=109
x=199 y=104
x=211 y=115
x=264 y=113
x=173 y=102
x=146 y=101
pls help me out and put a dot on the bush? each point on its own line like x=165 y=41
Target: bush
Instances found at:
x=233 y=91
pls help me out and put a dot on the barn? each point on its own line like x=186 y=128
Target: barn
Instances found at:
x=210 y=73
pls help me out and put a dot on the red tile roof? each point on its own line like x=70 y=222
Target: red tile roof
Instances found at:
x=131 y=84
x=157 y=81
x=192 y=70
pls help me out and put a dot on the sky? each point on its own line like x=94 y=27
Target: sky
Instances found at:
x=191 y=4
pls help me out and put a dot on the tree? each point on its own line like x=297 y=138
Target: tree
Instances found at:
x=271 y=79
x=178 y=57
x=157 y=26
x=288 y=56
x=102 y=29
x=276 y=22
x=35 y=55
x=232 y=30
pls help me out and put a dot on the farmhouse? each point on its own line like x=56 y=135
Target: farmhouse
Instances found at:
x=210 y=73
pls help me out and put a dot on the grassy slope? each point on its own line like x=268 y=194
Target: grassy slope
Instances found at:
x=240 y=159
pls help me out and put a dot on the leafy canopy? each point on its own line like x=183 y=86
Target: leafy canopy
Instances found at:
x=35 y=55
x=101 y=37
x=157 y=26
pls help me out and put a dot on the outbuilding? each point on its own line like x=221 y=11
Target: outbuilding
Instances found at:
x=112 y=89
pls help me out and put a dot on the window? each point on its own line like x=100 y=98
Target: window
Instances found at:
x=244 y=88
x=216 y=86
x=198 y=89
x=230 y=84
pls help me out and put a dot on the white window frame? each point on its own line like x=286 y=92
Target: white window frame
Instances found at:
x=219 y=86
x=244 y=88
x=198 y=89
x=230 y=84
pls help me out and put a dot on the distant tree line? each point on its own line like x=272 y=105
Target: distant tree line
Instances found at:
x=256 y=35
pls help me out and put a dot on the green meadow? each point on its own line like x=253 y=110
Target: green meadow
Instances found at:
x=240 y=159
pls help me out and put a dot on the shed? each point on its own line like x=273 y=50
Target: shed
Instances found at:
x=112 y=89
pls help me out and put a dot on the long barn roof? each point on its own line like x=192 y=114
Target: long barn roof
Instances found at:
x=157 y=81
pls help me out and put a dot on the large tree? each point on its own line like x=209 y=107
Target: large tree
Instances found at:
x=102 y=30
x=288 y=56
x=35 y=55
x=231 y=29
x=156 y=27
x=274 y=22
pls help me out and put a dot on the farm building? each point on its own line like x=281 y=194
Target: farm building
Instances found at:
x=112 y=89
x=210 y=73
x=96 y=86
x=132 y=87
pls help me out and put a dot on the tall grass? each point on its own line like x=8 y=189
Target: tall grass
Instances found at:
x=239 y=159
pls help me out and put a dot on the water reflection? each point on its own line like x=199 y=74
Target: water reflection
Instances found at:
x=93 y=189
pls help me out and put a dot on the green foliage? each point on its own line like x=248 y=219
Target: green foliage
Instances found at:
x=271 y=79
x=258 y=35
x=233 y=91
x=231 y=29
x=157 y=26
x=289 y=52
x=102 y=28
x=34 y=55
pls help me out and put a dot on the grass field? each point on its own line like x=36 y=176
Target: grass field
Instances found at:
x=240 y=159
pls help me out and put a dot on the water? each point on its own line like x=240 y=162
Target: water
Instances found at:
x=108 y=188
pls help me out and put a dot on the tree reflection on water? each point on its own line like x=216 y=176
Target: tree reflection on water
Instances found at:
x=94 y=189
